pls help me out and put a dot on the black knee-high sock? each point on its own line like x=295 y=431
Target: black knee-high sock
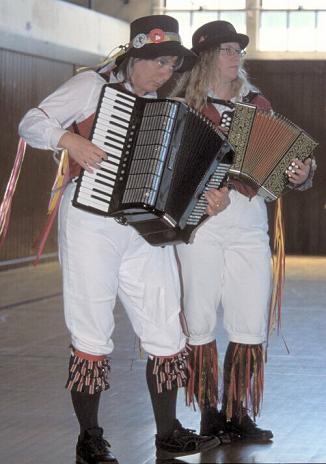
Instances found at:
x=86 y=408
x=164 y=404
x=227 y=373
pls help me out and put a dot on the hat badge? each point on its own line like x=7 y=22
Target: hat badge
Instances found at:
x=139 y=40
x=156 y=35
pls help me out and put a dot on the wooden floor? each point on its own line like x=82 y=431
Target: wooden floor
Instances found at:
x=37 y=423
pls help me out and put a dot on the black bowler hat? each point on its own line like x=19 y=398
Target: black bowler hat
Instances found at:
x=215 y=33
x=154 y=36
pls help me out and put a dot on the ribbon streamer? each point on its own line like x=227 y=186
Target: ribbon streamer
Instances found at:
x=60 y=182
x=5 y=207
x=275 y=311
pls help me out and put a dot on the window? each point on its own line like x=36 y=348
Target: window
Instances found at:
x=284 y=25
x=292 y=26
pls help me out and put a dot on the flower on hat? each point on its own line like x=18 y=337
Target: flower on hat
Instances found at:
x=156 y=35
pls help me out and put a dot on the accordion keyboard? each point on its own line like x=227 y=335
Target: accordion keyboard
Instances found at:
x=109 y=134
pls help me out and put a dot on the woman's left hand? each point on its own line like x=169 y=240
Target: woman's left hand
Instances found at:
x=298 y=171
x=217 y=200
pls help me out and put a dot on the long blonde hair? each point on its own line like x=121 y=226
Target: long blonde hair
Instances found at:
x=195 y=84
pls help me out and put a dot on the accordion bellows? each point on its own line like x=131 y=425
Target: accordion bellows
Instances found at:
x=265 y=143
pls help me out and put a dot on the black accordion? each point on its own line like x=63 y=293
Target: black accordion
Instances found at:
x=265 y=143
x=161 y=154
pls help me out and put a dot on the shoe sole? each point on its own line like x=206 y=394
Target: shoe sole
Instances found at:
x=80 y=460
x=164 y=455
x=239 y=437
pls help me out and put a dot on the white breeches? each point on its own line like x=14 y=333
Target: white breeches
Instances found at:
x=101 y=259
x=229 y=263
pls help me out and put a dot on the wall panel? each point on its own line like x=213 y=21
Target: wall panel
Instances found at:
x=297 y=89
x=25 y=81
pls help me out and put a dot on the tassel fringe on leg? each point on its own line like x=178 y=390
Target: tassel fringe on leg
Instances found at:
x=203 y=376
x=246 y=380
x=171 y=371
x=88 y=374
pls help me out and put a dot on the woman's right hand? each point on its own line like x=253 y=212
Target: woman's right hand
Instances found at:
x=217 y=200
x=84 y=152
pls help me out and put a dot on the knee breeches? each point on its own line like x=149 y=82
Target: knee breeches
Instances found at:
x=228 y=264
x=101 y=260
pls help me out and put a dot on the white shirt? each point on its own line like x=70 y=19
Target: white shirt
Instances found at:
x=75 y=100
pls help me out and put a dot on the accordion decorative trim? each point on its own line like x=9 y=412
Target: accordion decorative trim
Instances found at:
x=265 y=143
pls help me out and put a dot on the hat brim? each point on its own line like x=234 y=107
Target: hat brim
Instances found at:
x=152 y=51
x=217 y=40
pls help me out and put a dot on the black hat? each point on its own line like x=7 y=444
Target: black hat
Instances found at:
x=215 y=33
x=154 y=36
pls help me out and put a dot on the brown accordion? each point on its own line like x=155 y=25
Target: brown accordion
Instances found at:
x=265 y=143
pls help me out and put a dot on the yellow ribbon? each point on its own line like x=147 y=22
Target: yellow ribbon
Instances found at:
x=58 y=184
x=278 y=269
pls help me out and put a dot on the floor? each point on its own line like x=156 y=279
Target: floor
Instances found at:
x=37 y=423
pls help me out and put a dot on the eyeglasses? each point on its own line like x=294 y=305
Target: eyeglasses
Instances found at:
x=229 y=51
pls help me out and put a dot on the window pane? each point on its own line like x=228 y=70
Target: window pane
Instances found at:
x=182 y=4
x=320 y=35
x=293 y=4
x=184 y=26
x=206 y=4
x=301 y=31
x=201 y=17
x=238 y=20
x=231 y=4
x=273 y=32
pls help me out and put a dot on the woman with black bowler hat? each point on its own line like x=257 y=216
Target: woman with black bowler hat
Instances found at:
x=229 y=261
x=101 y=258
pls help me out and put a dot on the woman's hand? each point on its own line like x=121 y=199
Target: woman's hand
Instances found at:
x=298 y=171
x=84 y=152
x=217 y=200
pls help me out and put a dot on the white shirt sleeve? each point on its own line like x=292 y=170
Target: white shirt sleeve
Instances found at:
x=75 y=100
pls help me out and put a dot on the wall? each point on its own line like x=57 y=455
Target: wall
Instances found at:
x=297 y=90
x=127 y=10
x=37 y=55
x=39 y=48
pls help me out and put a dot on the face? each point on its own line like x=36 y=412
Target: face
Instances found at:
x=150 y=75
x=228 y=61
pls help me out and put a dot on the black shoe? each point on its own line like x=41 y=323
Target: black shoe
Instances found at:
x=93 y=449
x=213 y=422
x=183 y=442
x=246 y=429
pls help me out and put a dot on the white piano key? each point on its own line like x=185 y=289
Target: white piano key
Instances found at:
x=116 y=156
x=93 y=203
x=90 y=197
x=119 y=132
x=91 y=192
x=98 y=174
x=112 y=137
x=116 y=114
x=102 y=143
x=119 y=104
x=94 y=183
x=116 y=106
x=106 y=169
x=114 y=93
